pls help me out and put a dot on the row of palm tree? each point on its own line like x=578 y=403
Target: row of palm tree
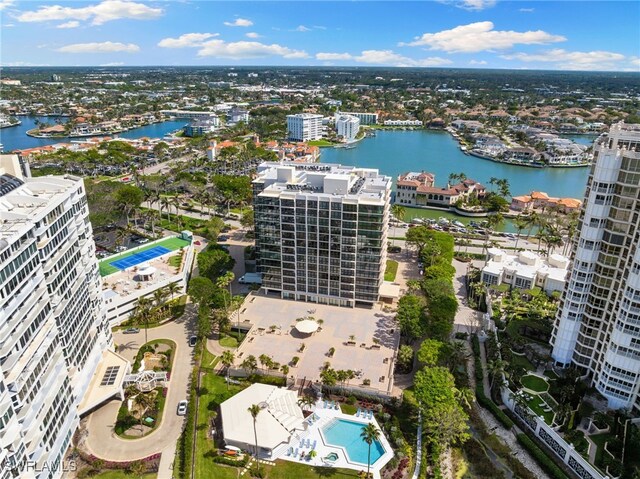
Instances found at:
x=149 y=308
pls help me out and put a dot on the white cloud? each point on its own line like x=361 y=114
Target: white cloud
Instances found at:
x=100 y=13
x=104 y=47
x=594 y=60
x=8 y=25
x=244 y=49
x=477 y=62
x=239 y=22
x=480 y=36
x=6 y=3
x=475 y=5
x=302 y=28
x=334 y=56
x=25 y=64
x=186 y=40
x=71 y=24
x=112 y=64
x=527 y=10
x=384 y=57
x=389 y=57
x=253 y=35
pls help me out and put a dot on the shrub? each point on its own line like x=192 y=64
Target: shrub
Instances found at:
x=541 y=457
x=220 y=459
x=351 y=400
x=487 y=403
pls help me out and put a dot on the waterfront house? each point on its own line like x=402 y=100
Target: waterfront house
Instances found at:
x=471 y=126
x=418 y=189
x=521 y=203
x=522 y=155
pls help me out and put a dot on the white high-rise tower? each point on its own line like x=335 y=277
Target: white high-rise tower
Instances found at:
x=598 y=322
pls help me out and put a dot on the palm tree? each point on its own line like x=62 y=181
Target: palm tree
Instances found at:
x=143 y=314
x=369 y=434
x=159 y=295
x=144 y=401
x=165 y=203
x=172 y=289
x=520 y=224
x=254 y=410
x=306 y=401
x=465 y=397
x=398 y=212
x=495 y=368
x=227 y=359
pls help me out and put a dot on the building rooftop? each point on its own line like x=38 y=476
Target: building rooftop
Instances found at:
x=22 y=199
x=326 y=180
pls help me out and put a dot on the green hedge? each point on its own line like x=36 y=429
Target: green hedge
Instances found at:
x=487 y=403
x=482 y=399
x=231 y=462
x=541 y=457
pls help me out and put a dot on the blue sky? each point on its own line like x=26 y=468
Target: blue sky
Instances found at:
x=570 y=35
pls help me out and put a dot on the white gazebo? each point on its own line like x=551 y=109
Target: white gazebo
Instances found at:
x=307 y=326
x=146 y=273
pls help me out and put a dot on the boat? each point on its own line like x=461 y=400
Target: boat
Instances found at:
x=458 y=224
x=417 y=221
x=443 y=221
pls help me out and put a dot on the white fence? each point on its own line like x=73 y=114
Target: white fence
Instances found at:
x=556 y=443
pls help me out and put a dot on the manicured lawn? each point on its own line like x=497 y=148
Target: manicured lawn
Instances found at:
x=392 y=269
x=231 y=340
x=599 y=440
x=534 y=383
x=320 y=143
x=523 y=362
x=536 y=405
x=170 y=243
x=551 y=374
x=348 y=408
x=123 y=475
x=290 y=470
x=213 y=392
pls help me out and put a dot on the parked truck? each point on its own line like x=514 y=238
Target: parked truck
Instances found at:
x=251 y=278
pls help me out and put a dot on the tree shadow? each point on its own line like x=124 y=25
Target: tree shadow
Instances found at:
x=325 y=471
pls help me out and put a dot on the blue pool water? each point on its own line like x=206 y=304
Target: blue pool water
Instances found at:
x=138 y=258
x=346 y=434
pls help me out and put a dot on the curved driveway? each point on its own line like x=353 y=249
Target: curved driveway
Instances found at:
x=100 y=439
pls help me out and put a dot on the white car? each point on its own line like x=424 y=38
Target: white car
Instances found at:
x=182 y=407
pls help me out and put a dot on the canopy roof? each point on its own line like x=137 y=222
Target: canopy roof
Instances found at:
x=147 y=271
x=279 y=417
x=307 y=326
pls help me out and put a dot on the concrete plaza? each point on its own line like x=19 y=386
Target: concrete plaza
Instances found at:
x=370 y=360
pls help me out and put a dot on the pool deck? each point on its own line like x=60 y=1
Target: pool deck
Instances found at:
x=313 y=433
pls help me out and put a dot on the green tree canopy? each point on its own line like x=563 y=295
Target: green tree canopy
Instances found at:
x=430 y=352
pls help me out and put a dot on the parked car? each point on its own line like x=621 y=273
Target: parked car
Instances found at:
x=193 y=340
x=182 y=407
x=131 y=331
x=223 y=238
x=142 y=240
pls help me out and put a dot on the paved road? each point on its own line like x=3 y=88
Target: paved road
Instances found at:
x=101 y=440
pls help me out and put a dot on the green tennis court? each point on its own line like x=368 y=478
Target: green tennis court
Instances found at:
x=172 y=244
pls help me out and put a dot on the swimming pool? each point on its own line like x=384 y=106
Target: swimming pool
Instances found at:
x=141 y=257
x=346 y=434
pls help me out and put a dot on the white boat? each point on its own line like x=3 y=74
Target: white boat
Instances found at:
x=443 y=221
x=458 y=224
x=417 y=221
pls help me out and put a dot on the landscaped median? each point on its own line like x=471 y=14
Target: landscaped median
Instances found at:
x=141 y=411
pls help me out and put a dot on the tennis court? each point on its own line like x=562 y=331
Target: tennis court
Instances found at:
x=137 y=258
x=128 y=259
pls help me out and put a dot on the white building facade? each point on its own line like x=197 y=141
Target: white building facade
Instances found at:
x=526 y=270
x=598 y=323
x=347 y=127
x=304 y=127
x=321 y=232
x=365 y=118
x=53 y=327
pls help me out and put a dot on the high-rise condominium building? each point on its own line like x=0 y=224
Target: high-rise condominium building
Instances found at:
x=598 y=323
x=347 y=127
x=53 y=328
x=321 y=231
x=304 y=127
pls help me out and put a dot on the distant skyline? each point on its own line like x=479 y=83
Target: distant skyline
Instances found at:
x=571 y=35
